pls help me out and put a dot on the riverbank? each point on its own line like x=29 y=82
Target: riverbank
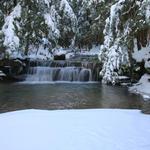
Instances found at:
x=142 y=87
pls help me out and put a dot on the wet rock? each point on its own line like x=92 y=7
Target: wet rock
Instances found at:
x=138 y=70
x=123 y=80
x=60 y=57
x=146 y=107
x=12 y=68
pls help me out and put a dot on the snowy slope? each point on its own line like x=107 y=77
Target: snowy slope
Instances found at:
x=75 y=130
x=142 y=87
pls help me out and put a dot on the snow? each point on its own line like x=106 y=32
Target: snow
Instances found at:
x=11 y=40
x=114 y=15
x=40 y=53
x=122 y=77
x=113 y=53
x=70 y=52
x=50 y=20
x=2 y=74
x=47 y=2
x=63 y=51
x=142 y=87
x=117 y=33
x=108 y=129
x=64 y=5
x=147 y=3
x=59 y=51
x=116 y=57
x=70 y=55
x=143 y=54
x=90 y=2
x=93 y=51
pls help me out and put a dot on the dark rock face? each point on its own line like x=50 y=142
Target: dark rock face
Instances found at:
x=12 y=68
x=60 y=57
x=138 y=70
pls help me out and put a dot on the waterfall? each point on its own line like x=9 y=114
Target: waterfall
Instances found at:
x=60 y=71
x=51 y=74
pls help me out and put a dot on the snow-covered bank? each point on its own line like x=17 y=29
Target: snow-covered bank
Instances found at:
x=75 y=130
x=142 y=87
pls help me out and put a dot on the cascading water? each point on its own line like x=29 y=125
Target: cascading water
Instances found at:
x=50 y=74
x=62 y=71
x=40 y=74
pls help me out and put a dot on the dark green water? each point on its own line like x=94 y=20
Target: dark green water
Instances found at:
x=65 y=96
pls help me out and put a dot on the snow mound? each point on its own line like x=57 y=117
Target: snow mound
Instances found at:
x=93 y=51
x=75 y=130
x=142 y=87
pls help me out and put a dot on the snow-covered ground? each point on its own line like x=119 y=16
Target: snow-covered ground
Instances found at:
x=142 y=87
x=93 y=51
x=71 y=52
x=99 y=129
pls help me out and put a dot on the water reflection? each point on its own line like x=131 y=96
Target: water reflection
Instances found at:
x=65 y=96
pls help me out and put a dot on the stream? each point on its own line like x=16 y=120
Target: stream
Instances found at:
x=19 y=96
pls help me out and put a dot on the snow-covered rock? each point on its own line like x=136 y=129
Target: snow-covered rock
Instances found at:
x=142 y=87
x=93 y=51
x=59 y=51
x=2 y=74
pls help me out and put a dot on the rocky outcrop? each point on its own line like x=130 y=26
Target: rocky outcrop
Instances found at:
x=12 y=68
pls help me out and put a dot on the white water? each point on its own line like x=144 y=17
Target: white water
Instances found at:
x=58 y=74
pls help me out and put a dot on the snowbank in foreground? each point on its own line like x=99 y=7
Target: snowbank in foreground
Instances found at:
x=75 y=130
x=142 y=87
